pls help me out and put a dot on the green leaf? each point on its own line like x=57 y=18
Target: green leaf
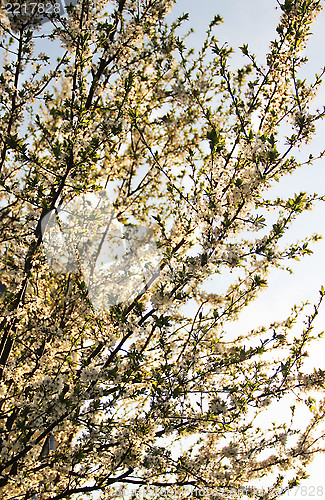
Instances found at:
x=244 y=49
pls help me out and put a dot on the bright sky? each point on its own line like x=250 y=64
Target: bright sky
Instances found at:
x=254 y=22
